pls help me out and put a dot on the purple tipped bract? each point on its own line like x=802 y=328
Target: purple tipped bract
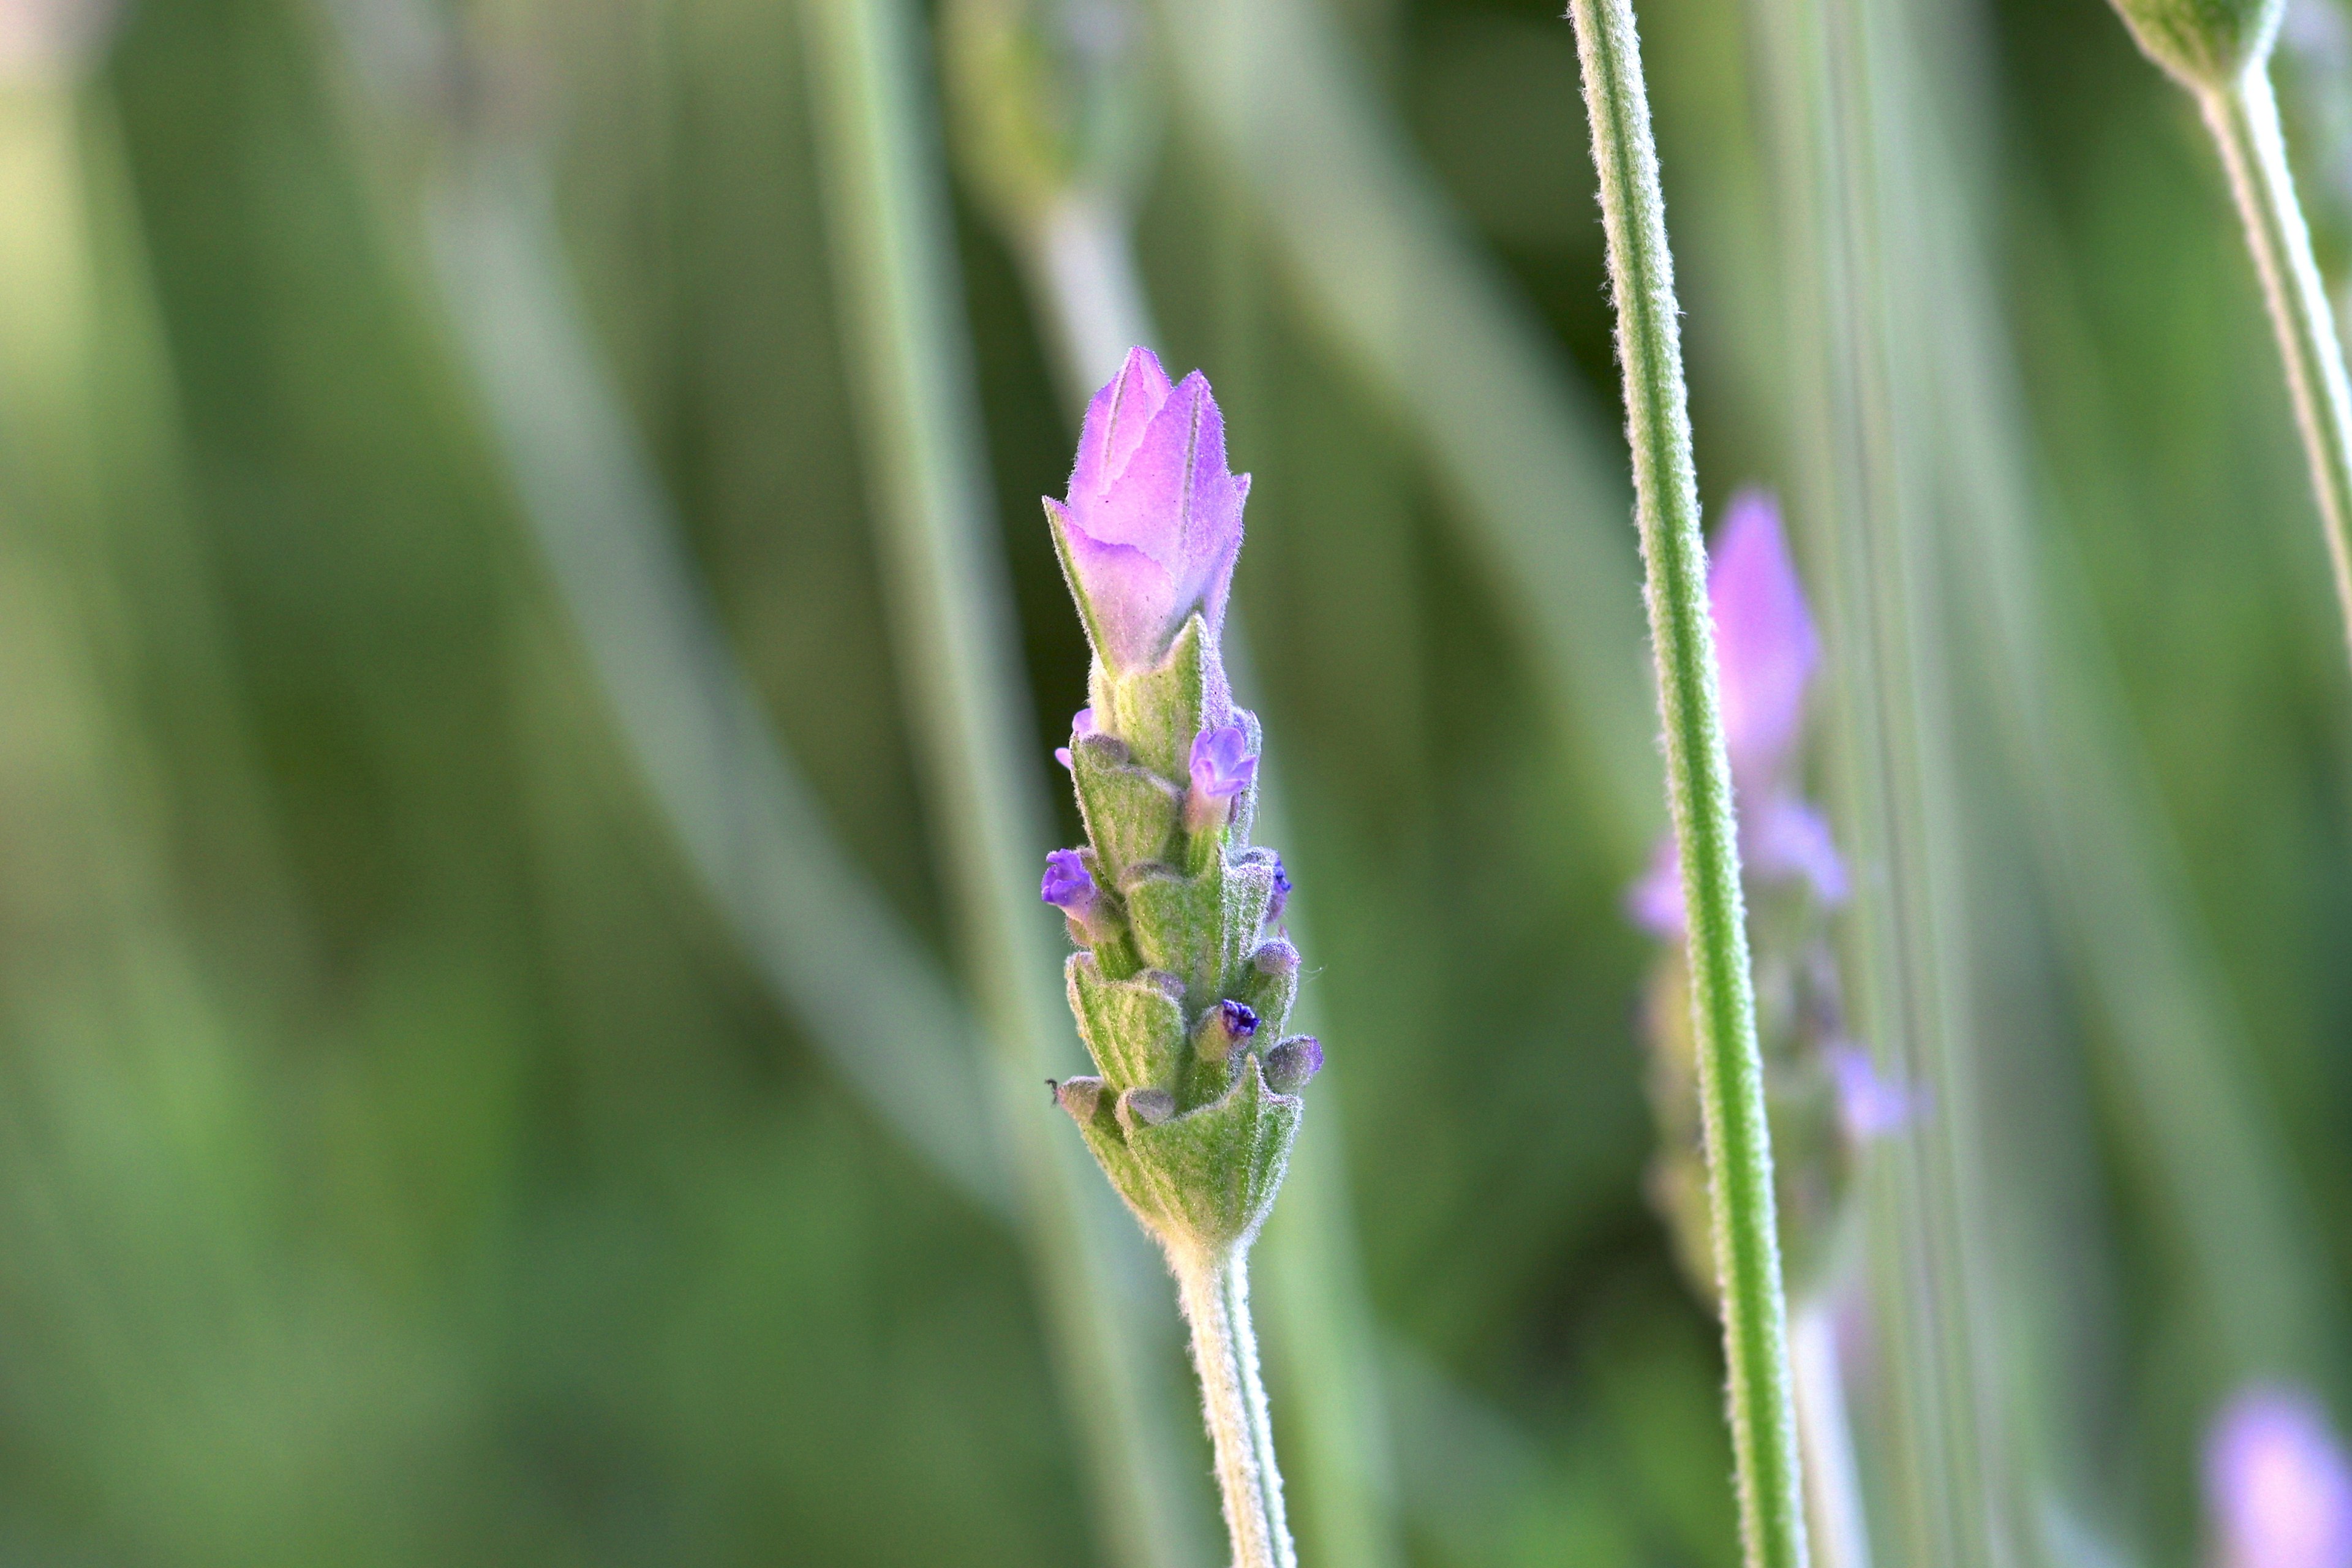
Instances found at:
x=1068 y=885
x=2278 y=1483
x=1763 y=637
x=1153 y=519
x=1237 y=1019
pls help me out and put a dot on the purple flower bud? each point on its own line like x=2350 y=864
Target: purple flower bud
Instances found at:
x=1763 y=639
x=1290 y=1064
x=2278 y=1484
x=1222 y=1027
x=1070 y=888
x=1082 y=724
x=1153 y=519
x=1871 y=1105
x=1222 y=766
x=1281 y=900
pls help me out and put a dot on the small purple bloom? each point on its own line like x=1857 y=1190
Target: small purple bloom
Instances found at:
x=1236 y=1020
x=1281 y=900
x=1153 y=519
x=1222 y=766
x=2278 y=1483
x=1069 y=887
x=1082 y=724
x=1872 y=1105
x=1765 y=643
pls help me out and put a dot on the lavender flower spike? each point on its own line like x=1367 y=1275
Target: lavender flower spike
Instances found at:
x=1222 y=767
x=1153 y=520
x=1179 y=995
x=2278 y=1483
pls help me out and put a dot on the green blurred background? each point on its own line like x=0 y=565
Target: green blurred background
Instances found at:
x=412 y=1149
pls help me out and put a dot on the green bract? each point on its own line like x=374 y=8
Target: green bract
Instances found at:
x=2205 y=42
x=1182 y=1119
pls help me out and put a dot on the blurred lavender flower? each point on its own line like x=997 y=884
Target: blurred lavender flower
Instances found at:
x=1153 y=522
x=1870 y=1104
x=1768 y=650
x=1222 y=767
x=2278 y=1483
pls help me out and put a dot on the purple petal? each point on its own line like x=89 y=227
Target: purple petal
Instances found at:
x=1764 y=638
x=1068 y=885
x=2278 y=1483
x=1116 y=419
x=1784 y=838
x=1655 y=901
x=1871 y=1105
x=1222 y=763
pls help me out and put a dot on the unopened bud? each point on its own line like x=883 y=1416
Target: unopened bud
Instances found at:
x=1141 y=1108
x=2204 y=43
x=1222 y=1027
x=1290 y=1064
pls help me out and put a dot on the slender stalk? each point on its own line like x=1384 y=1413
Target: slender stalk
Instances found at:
x=1698 y=785
x=2244 y=115
x=1840 y=1533
x=1216 y=1293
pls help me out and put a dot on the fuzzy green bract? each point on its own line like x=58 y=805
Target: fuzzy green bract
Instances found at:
x=1180 y=993
x=2205 y=42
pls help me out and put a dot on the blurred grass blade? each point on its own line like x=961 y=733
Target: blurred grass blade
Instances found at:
x=1516 y=446
x=1862 y=424
x=841 y=960
x=895 y=280
x=2173 y=1049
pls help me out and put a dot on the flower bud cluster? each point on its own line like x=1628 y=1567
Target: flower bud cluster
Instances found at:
x=1824 y=1098
x=1180 y=989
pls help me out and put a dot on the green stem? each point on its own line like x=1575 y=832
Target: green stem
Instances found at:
x=2244 y=115
x=1216 y=1293
x=1698 y=787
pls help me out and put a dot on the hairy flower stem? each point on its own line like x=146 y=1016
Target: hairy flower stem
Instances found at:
x=2243 y=114
x=1698 y=787
x=1215 y=1292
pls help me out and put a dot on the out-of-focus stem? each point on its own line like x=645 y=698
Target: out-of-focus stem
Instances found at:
x=895 y=272
x=1698 y=783
x=2244 y=119
x=1095 y=308
x=1216 y=1293
x=1839 y=1532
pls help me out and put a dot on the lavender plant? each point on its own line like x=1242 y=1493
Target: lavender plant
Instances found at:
x=1179 y=993
x=2219 y=50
